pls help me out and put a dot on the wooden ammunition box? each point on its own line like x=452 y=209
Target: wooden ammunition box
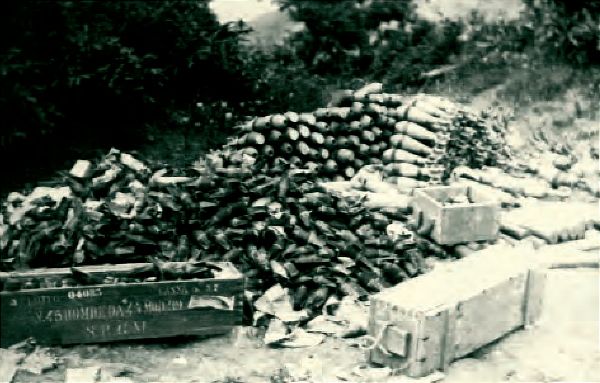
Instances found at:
x=425 y=323
x=111 y=312
x=457 y=223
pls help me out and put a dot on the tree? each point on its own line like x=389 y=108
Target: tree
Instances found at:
x=101 y=71
x=337 y=34
x=78 y=77
x=566 y=29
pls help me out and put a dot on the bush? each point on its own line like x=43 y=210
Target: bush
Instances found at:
x=101 y=72
x=375 y=40
x=566 y=29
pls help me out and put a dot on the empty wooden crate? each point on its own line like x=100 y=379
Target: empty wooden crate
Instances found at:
x=475 y=219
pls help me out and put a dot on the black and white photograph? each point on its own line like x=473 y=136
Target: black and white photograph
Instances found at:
x=299 y=191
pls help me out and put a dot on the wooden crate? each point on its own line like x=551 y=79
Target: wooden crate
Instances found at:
x=111 y=312
x=458 y=223
x=422 y=325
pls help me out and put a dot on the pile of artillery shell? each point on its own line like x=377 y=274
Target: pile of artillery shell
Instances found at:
x=415 y=141
x=278 y=228
x=258 y=203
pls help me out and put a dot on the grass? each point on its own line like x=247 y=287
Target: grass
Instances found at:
x=522 y=84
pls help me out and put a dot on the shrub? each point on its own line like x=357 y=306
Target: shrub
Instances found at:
x=101 y=72
x=375 y=40
x=566 y=29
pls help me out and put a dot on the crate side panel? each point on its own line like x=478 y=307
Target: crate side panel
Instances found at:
x=468 y=223
x=489 y=315
x=424 y=203
x=145 y=310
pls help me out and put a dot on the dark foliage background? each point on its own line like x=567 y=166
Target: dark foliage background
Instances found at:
x=91 y=74
x=77 y=77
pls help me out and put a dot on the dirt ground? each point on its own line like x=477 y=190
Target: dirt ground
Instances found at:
x=564 y=346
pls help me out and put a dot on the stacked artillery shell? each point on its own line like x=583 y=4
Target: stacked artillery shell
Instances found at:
x=434 y=134
x=414 y=134
x=476 y=140
x=366 y=128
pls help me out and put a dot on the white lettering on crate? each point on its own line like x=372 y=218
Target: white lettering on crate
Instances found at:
x=112 y=329
x=84 y=293
x=173 y=290
x=184 y=290
x=110 y=311
x=33 y=300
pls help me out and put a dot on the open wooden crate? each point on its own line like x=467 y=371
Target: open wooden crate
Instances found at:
x=111 y=312
x=425 y=323
x=457 y=223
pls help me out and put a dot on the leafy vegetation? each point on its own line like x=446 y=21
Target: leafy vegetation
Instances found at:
x=380 y=40
x=76 y=77
x=77 y=73
x=566 y=29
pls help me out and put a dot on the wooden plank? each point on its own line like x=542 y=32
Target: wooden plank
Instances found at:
x=534 y=296
x=448 y=354
x=415 y=367
x=432 y=341
x=228 y=271
x=574 y=254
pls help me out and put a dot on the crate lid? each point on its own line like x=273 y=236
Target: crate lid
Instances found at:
x=458 y=280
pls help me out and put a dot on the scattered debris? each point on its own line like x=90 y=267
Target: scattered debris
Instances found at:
x=82 y=375
x=9 y=363
x=38 y=362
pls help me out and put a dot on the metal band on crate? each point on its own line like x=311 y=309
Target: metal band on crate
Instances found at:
x=449 y=338
x=415 y=366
